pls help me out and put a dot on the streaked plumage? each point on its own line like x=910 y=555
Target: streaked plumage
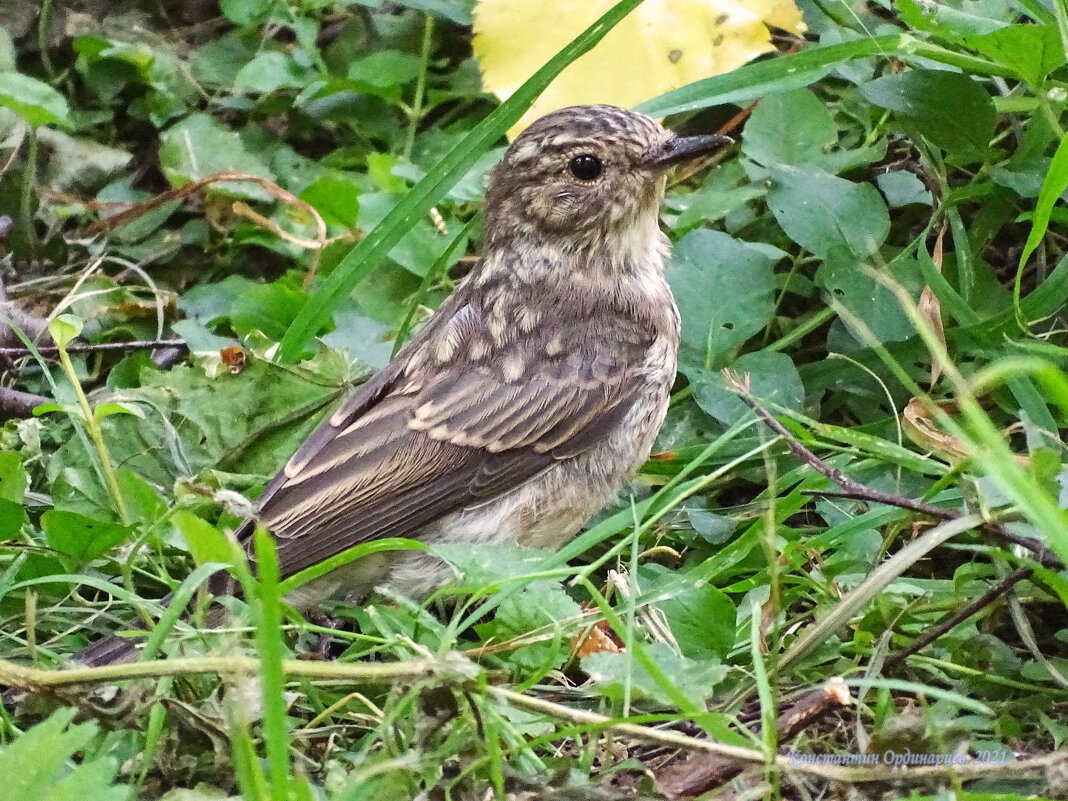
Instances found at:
x=530 y=396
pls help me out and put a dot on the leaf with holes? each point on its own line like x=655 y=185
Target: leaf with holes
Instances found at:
x=725 y=293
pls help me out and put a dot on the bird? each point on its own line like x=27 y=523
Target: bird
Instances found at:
x=527 y=399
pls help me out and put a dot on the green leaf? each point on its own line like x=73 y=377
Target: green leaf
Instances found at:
x=785 y=73
x=1053 y=186
x=102 y=410
x=489 y=565
x=268 y=72
x=902 y=188
x=206 y=543
x=701 y=617
x=852 y=285
x=725 y=293
x=542 y=606
x=13 y=479
x=386 y=68
x=200 y=145
x=948 y=108
x=7 y=52
x=725 y=190
x=34 y=101
x=84 y=538
x=368 y=254
x=1032 y=51
x=773 y=382
x=245 y=12
x=336 y=197
x=65 y=328
x=819 y=211
x=217 y=62
x=144 y=503
x=38 y=764
x=792 y=128
x=269 y=308
x=949 y=23
x=611 y=672
x=12 y=516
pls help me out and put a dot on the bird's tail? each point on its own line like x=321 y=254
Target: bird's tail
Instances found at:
x=110 y=650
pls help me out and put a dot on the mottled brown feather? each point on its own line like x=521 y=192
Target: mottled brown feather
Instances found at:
x=432 y=436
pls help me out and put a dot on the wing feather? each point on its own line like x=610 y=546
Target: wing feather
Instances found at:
x=460 y=417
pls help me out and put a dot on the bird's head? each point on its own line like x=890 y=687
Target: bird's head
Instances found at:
x=584 y=173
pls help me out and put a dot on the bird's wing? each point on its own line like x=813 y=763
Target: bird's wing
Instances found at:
x=457 y=419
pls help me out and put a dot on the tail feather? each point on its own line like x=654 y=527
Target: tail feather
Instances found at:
x=110 y=650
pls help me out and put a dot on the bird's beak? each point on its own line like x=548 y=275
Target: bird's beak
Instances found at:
x=681 y=148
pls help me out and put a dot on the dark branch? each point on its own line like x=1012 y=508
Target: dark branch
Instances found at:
x=17 y=405
x=965 y=612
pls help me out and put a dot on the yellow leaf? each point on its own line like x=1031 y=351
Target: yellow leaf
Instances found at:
x=661 y=45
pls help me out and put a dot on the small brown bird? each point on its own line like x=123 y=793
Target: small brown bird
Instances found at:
x=529 y=397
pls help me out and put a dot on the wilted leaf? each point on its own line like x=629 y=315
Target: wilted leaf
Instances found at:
x=921 y=427
x=597 y=638
x=661 y=45
x=78 y=163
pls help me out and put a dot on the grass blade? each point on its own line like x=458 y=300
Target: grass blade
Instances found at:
x=784 y=73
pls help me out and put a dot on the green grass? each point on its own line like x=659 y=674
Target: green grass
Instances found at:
x=901 y=147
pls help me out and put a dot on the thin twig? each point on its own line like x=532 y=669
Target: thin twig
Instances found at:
x=861 y=492
x=704 y=772
x=87 y=347
x=951 y=620
x=182 y=192
x=37 y=679
x=459 y=669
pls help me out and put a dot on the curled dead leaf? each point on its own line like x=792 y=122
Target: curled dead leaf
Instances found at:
x=597 y=638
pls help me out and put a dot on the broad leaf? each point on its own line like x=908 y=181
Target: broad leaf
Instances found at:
x=725 y=293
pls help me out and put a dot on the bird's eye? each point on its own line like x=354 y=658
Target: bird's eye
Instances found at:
x=585 y=166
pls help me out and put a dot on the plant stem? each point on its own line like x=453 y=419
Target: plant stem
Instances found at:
x=416 y=115
x=29 y=186
x=92 y=425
